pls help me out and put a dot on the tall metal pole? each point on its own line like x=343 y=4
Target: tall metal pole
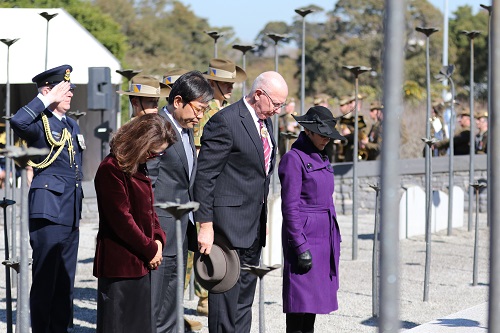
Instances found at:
x=244 y=49
x=488 y=156
x=428 y=225
x=444 y=76
x=8 y=163
x=445 y=45
x=428 y=156
x=178 y=210
x=215 y=35
x=494 y=127
x=8 y=292
x=356 y=71
x=48 y=17
x=376 y=254
x=471 y=35
x=303 y=12
x=394 y=28
x=477 y=186
x=276 y=38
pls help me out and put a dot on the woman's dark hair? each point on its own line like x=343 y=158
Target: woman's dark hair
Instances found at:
x=134 y=139
x=191 y=86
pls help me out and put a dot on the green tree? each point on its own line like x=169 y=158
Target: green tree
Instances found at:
x=465 y=20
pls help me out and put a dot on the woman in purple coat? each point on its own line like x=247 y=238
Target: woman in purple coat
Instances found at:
x=310 y=235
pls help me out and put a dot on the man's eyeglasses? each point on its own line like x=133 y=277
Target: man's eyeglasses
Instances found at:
x=198 y=112
x=275 y=105
x=152 y=154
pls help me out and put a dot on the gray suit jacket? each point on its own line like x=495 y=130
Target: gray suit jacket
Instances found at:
x=231 y=184
x=169 y=175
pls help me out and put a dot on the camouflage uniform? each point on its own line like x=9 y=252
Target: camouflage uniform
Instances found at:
x=482 y=142
x=374 y=141
x=198 y=128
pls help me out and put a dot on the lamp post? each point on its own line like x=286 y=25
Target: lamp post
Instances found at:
x=129 y=74
x=244 y=49
x=375 y=253
x=394 y=23
x=445 y=75
x=48 y=17
x=9 y=167
x=427 y=32
x=488 y=156
x=178 y=210
x=356 y=71
x=215 y=35
x=303 y=12
x=428 y=225
x=477 y=187
x=276 y=38
x=471 y=35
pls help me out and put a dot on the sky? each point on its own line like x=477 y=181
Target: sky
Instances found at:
x=248 y=18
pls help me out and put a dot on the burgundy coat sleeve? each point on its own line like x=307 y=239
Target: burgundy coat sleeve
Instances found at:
x=128 y=224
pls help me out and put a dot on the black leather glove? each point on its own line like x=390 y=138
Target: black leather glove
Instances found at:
x=304 y=261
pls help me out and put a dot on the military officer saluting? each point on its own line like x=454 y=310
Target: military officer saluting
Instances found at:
x=55 y=197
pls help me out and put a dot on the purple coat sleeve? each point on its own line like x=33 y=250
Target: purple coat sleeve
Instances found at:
x=290 y=174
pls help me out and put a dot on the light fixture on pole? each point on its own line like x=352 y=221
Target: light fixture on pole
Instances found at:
x=128 y=74
x=428 y=194
x=215 y=35
x=276 y=38
x=48 y=17
x=244 y=49
x=356 y=71
x=471 y=35
x=303 y=12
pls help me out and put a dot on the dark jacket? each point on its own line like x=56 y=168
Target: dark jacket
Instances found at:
x=128 y=224
x=231 y=183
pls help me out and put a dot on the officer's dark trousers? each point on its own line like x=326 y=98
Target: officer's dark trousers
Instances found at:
x=55 y=250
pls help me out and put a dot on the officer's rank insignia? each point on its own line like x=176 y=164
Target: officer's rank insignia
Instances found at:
x=56 y=135
x=66 y=75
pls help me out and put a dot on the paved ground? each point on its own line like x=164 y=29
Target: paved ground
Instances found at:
x=450 y=283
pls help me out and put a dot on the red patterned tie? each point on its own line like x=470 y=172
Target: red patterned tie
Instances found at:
x=265 y=143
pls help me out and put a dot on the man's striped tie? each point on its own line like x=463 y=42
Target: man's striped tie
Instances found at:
x=265 y=143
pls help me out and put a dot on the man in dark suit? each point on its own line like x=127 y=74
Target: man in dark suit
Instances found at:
x=236 y=159
x=172 y=175
x=55 y=198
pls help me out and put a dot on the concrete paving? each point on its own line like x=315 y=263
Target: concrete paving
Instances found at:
x=454 y=304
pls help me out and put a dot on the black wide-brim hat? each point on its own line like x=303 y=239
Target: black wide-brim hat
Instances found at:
x=320 y=120
x=218 y=271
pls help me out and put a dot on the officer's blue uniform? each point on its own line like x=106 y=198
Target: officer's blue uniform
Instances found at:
x=55 y=199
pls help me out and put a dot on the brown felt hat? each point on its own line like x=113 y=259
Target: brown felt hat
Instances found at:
x=223 y=70
x=172 y=75
x=146 y=86
x=218 y=271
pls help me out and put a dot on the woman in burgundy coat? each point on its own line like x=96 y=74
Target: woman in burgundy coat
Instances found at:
x=310 y=234
x=130 y=239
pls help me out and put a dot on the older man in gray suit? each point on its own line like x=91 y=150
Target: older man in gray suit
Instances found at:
x=236 y=159
x=172 y=175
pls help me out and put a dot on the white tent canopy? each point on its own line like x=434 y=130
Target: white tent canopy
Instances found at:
x=68 y=43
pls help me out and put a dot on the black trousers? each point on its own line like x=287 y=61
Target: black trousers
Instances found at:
x=300 y=322
x=231 y=311
x=124 y=305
